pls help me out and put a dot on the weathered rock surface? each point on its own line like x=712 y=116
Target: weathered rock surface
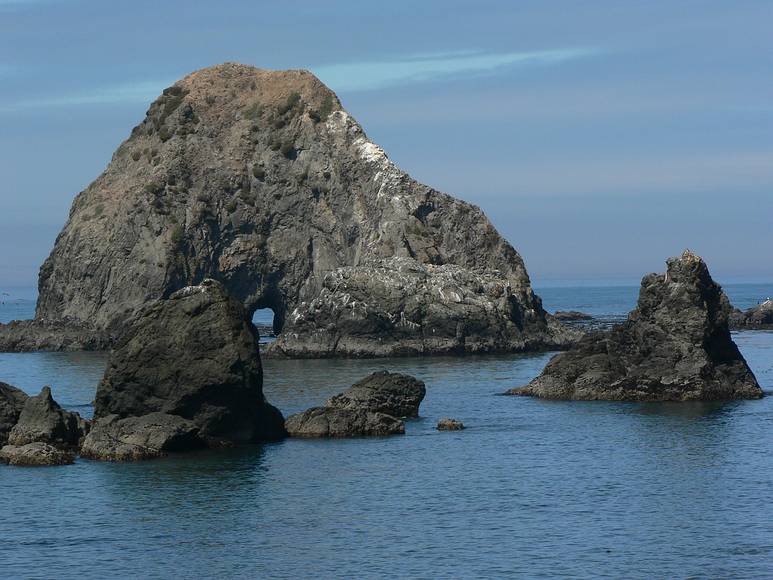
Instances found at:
x=42 y=420
x=336 y=422
x=11 y=403
x=759 y=317
x=399 y=306
x=134 y=438
x=261 y=180
x=446 y=424
x=194 y=355
x=675 y=345
x=38 y=453
x=571 y=315
x=383 y=392
x=51 y=335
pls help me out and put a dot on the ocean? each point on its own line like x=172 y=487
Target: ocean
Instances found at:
x=531 y=488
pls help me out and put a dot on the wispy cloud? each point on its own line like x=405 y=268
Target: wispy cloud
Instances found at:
x=132 y=93
x=371 y=75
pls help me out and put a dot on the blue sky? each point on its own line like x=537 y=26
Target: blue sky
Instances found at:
x=599 y=137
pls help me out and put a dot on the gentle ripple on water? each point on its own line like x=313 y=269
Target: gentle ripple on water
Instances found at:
x=532 y=488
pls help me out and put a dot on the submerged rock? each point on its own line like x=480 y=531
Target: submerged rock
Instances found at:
x=42 y=420
x=384 y=392
x=675 y=345
x=38 y=453
x=194 y=355
x=11 y=403
x=336 y=422
x=446 y=424
x=134 y=438
x=261 y=180
x=759 y=317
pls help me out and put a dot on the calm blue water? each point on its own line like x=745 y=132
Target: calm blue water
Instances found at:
x=532 y=488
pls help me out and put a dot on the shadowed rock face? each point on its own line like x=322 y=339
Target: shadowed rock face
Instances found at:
x=193 y=355
x=675 y=345
x=260 y=179
x=11 y=404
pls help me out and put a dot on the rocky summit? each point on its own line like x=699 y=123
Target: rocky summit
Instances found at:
x=194 y=356
x=675 y=345
x=261 y=180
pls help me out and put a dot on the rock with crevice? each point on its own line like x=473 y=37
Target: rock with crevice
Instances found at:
x=395 y=394
x=193 y=355
x=12 y=402
x=137 y=438
x=36 y=454
x=260 y=179
x=42 y=420
x=675 y=346
x=334 y=422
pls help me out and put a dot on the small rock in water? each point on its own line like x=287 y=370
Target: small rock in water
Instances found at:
x=384 y=392
x=333 y=422
x=446 y=424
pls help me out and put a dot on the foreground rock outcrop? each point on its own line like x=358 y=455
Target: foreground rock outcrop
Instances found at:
x=135 y=438
x=383 y=392
x=42 y=433
x=675 y=345
x=372 y=406
x=192 y=356
x=261 y=180
x=759 y=317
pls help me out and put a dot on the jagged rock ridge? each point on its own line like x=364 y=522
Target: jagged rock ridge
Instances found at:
x=261 y=180
x=675 y=345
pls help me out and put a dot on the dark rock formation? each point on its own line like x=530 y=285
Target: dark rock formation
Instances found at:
x=134 y=438
x=261 y=180
x=52 y=335
x=571 y=315
x=11 y=403
x=370 y=407
x=675 y=345
x=36 y=454
x=335 y=422
x=42 y=420
x=759 y=317
x=446 y=424
x=383 y=392
x=194 y=355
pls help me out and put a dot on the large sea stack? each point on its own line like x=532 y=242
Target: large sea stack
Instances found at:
x=675 y=346
x=187 y=372
x=261 y=180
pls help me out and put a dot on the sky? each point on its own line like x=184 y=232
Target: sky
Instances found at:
x=599 y=137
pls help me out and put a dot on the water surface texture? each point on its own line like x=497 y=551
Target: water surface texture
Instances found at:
x=531 y=488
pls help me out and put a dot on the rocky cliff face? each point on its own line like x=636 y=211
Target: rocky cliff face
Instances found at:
x=260 y=179
x=675 y=345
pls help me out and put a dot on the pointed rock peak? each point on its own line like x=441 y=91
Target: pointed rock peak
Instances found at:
x=689 y=266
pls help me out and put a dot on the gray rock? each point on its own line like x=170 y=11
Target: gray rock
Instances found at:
x=400 y=307
x=51 y=335
x=135 y=438
x=675 y=345
x=42 y=420
x=759 y=317
x=571 y=315
x=335 y=422
x=261 y=180
x=38 y=453
x=384 y=392
x=11 y=403
x=194 y=355
x=446 y=424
